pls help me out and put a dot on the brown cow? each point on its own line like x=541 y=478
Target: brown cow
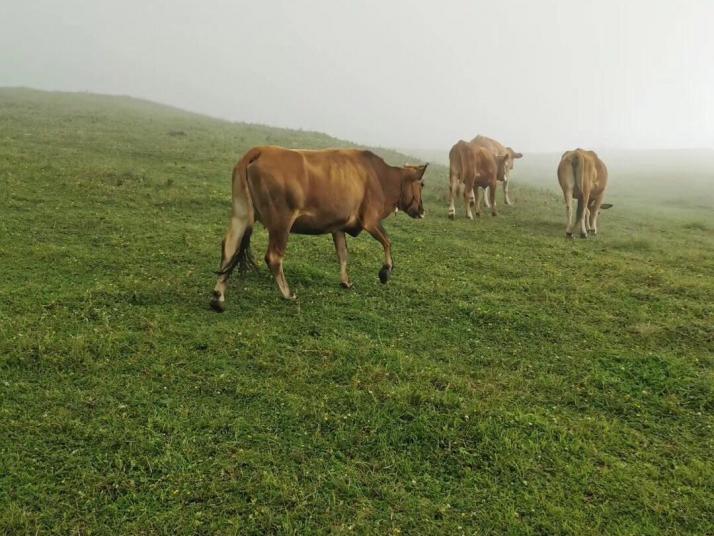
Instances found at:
x=582 y=174
x=473 y=167
x=334 y=191
x=499 y=150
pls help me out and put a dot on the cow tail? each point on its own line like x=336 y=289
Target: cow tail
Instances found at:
x=243 y=212
x=578 y=165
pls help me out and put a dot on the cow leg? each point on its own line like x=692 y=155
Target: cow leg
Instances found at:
x=341 y=248
x=453 y=192
x=492 y=195
x=277 y=242
x=229 y=250
x=595 y=212
x=485 y=192
x=469 y=201
x=505 y=192
x=480 y=194
x=379 y=234
x=568 y=214
x=582 y=213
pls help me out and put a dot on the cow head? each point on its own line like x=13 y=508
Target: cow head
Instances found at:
x=509 y=157
x=502 y=169
x=410 y=195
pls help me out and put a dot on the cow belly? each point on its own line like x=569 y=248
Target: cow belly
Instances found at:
x=314 y=225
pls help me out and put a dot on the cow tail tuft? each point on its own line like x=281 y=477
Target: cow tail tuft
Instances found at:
x=243 y=210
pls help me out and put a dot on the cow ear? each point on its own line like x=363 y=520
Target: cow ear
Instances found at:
x=514 y=154
x=605 y=206
x=418 y=171
x=421 y=170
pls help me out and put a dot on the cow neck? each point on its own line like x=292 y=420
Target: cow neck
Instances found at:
x=391 y=181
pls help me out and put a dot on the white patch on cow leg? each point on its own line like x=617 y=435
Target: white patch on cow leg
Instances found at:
x=583 y=216
x=505 y=192
x=453 y=192
x=231 y=243
x=595 y=214
x=486 y=194
x=277 y=242
x=282 y=281
x=492 y=195
x=468 y=202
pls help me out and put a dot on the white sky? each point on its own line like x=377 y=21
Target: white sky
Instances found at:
x=536 y=74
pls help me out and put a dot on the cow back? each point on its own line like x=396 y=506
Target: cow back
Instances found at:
x=492 y=145
x=317 y=190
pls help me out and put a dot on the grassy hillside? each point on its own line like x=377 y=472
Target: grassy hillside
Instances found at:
x=505 y=380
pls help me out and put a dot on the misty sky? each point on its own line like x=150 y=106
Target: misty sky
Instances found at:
x=538 y=75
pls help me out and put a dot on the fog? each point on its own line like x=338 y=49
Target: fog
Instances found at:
x=539 y=75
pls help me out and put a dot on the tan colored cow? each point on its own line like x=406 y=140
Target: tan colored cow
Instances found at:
x=473 y=167
x=333 y=191
x=499 y=150
x=583 y=175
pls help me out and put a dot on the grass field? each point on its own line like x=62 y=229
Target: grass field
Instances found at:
x=504 y=381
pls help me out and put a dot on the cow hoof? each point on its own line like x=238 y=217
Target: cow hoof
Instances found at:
x=291 y=297
x=346 y=284
x=452 y=216
x=494 y=214
x=592 y=232
x=218 y=305
x=569 y=235
x=384 y=274
x=583 y=235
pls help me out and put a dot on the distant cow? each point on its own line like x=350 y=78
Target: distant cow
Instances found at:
x=314 y=192
x=498 y=150
x=473 y=167
x=584 y=176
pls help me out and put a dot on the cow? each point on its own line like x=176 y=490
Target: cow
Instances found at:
x=460 y=167
x=499 y=150
x=314 y=192
x=473 y=167
x=583 y=175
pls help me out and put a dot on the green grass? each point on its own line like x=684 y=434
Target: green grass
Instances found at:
x=504 y=381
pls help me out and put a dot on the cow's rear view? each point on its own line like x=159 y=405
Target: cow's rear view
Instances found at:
x=583 y=176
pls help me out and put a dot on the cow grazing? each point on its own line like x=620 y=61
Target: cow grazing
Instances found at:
x=583 y=175
x=499 y=150
x=333 y=191
x=473 y=167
